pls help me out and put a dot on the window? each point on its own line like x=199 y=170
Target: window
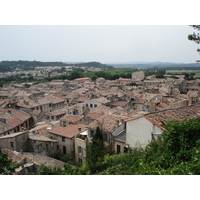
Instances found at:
x=86 y=105
x=63 y=139
x=47 y=146
x=57 y=147
x=91 y=133
x=125 y=149
x=64 y=150
x=91 y=105
x=95 y=105
x=80 y=150
x=52 y=117
x=118 y=149
x=11 y=144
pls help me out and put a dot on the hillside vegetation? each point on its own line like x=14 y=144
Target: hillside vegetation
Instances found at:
x=30 y=65
x=95 y=65
x=108 y=75
x=26 y=65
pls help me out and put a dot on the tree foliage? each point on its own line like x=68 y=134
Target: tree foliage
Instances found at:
x=6 y=165
x=95 y=151
x=159 y=73
x=195 y=36
x=189 y=76
x=177 y=151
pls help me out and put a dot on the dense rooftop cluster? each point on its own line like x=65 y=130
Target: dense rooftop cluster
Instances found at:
x=60 y=117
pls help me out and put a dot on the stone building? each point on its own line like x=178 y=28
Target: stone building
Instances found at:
x=138 y=76
x=81 y=143
x=15 y=141
x=66 y=138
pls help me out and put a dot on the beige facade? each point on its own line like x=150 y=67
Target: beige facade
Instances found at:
x=138 y=75
x=119 y=147
x=43 y=145
x=15 y=141
x=65 y=145
x=81 y=142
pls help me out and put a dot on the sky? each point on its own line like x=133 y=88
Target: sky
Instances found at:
x=101 y=43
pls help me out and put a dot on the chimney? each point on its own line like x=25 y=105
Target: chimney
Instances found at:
x=79 y=129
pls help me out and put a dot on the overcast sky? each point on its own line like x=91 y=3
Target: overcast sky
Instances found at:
x=105 y=44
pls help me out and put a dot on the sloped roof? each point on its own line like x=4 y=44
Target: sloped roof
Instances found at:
x=102 y=100
x=15 y=156
x=119 y=103
x=14 y=113
x=121 y=137
x=27 y=103
x=14 y=122
x=41 y=138
x=162 y=117
x=71 y=118
x=108 y=122
x=70 y=131
x=94 y=115
x=58 y=112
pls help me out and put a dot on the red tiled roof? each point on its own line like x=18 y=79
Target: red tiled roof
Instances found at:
x=16 y=157
x=108 y=122
x=18 y=114
x=119 y=103
x=94 y=115
x=14 y=122
x=71 y=118
x=162 y=117
x=58 y=112
x=70 y=131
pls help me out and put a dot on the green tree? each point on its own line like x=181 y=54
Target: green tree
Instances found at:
x=6 y=165
x=95 y=152
x=26 y=85
x=195 y=36
x=75 y=74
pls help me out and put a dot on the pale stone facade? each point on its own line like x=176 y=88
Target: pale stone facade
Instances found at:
x=137 y=76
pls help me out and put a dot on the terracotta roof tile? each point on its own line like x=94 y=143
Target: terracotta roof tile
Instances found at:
x=14 y=122
x=119 y=103
x=70 y=131
x=71 y=118
x=163 y=117
x=108 y=122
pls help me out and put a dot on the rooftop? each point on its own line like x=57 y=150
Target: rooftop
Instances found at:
x=108 y=122
x=71 y=118
x=70 y=131
x=162 y=117
x=119 y=103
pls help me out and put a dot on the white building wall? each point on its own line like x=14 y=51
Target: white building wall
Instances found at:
x=139 y=132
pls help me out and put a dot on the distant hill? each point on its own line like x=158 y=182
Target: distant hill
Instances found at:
x=26 y=65
x=155 y=64
x=94 y=64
